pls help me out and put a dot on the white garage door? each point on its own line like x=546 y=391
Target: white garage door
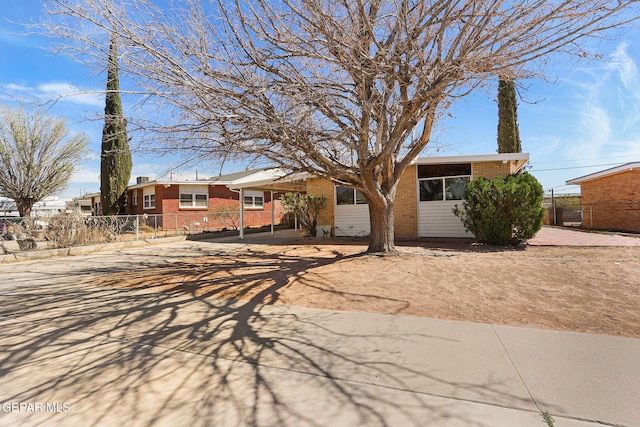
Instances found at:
x=436 y=219
x=352 y=220
x=440 y=189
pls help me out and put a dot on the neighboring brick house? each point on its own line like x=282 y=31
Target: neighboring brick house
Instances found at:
x=180 y=204
x=426 y=196
x=611 y=198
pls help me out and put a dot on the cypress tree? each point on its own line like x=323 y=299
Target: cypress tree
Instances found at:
x=508 y=133
x=115 y=159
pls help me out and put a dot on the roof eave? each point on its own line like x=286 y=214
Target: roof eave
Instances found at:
x=496 y=157
x=607 y=172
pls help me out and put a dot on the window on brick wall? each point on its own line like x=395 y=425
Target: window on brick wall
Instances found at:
x=437 y=171
x=149 y=201
x=349 y=196
x=253 y=199
x=194 y=196
x=443 y=182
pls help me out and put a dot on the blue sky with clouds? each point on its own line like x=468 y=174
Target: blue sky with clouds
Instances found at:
x=584 y=118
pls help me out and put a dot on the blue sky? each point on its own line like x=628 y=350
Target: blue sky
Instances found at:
x=585 y=118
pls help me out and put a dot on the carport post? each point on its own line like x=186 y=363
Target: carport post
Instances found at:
x=241 y=219
x=273 y=214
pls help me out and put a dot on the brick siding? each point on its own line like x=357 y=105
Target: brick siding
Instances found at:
x=406 y=204
x=168 y=203
x=323 y=187
x=491 y=170
x=612 y=202
x=406 y=207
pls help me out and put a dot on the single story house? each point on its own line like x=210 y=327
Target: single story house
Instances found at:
x=427 y=194
x=611 y=198
x=201 y=203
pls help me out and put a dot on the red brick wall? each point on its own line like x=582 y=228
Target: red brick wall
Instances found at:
x=612 y=202
x=222 y=212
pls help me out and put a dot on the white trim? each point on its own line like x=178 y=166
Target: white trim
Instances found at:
x=193 y=190
x=273 y=214
x=241 y=214
x=253 y=194
x=170 y=183
x=146 y=198
x=497 y=157
x=268 y=177
x=627 y=167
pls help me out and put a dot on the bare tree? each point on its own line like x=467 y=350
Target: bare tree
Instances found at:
x=37 y=157
x=348 y=90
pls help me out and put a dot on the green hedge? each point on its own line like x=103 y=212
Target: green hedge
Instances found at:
x=503 y=211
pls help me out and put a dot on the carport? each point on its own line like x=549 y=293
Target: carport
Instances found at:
x=273 y=180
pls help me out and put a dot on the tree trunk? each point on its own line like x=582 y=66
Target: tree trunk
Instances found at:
x=381 y=239
x=24 y=208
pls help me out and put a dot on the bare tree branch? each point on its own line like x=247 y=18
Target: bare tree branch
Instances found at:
x=347 y=90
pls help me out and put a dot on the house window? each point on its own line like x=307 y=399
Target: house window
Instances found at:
x=349 y=196
x=443 y=182
x=193 y=200
x=134 y=200
x=438 y=171
x=149 y=201
x=253 y=199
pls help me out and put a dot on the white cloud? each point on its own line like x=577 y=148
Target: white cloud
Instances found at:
x=623 y=64
x=16 y=88
x=607 y=109
x=68 y=92
x=57 y=92
x=84 y=174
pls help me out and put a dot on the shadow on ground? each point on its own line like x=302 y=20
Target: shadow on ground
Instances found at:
x=177 y=351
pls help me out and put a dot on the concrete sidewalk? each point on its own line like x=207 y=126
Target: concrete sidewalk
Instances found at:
x=79 y=354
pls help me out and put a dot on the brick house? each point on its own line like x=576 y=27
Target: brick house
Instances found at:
x=611 y=198
x=426 y=196
x=210 y=202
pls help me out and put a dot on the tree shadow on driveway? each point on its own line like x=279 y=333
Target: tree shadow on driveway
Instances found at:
x=171 y=348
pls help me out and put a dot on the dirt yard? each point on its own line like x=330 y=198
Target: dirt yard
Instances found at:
x=595 y=290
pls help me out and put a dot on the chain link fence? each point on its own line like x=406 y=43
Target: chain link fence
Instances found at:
x=64 y=231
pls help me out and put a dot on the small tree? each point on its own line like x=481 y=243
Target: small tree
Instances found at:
x=115 y=160
x=503 y=211
x=37 y=156
x=306 y=207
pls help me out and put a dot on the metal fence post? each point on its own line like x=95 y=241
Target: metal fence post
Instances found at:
x=137 y=227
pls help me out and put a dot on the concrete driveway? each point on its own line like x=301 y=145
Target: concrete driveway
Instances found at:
x=75 y=354
x=557 y=236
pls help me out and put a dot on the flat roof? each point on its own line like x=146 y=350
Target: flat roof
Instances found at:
x=611 y=171
x=275 y=179
x=168 y=182
x=495 y=157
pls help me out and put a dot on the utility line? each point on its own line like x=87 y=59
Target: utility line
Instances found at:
x=576 y=167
